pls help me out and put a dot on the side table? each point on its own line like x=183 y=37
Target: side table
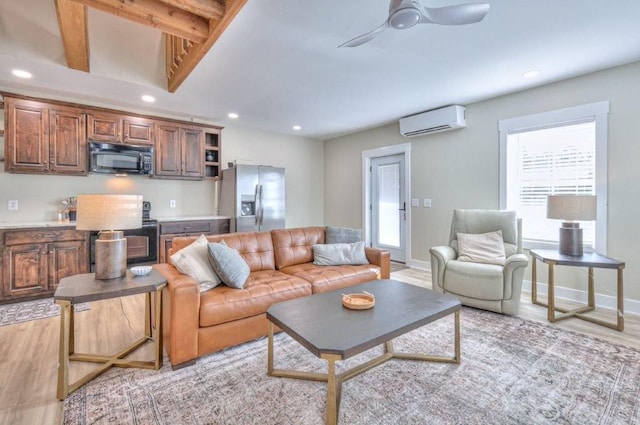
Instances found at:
x=84 y=288
x=589 y=260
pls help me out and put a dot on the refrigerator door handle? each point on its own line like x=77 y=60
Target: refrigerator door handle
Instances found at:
x=256 y=205
x=260 y=211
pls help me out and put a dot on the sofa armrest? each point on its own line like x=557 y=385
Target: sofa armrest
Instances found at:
x=380 y=258
x=180 y=315
x=440 y=256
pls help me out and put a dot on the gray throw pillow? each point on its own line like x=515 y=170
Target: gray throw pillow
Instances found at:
x=339 y=254
x=342 y=235
x=229 y=265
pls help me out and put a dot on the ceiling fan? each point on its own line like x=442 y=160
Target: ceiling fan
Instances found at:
x=404 y=14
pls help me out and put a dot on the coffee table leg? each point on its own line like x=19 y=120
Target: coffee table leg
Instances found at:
x=334 y=389
x=270 y=350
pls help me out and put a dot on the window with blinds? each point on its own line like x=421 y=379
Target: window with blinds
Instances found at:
x=561 y=152
x=550 y=161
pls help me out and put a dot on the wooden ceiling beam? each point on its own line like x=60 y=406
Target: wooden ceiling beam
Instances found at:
x=156 y=14
x=72 y=20
x=198 y=51
x=210 y=9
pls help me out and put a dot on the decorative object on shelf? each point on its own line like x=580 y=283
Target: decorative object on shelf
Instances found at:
x=209 y=156
x=569 y=209
x=110 y=214
x=71 y=210
x=140 y=270
x=360 y=301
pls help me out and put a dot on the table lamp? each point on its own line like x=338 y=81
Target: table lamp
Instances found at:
x=109 y=214
x=571 y=208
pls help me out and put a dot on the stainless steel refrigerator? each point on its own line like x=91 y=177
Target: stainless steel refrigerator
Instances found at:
x=253 y=196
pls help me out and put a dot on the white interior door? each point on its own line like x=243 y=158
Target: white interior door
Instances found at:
x=388 y=205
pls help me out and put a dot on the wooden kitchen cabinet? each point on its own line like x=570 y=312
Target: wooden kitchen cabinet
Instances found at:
x=137 y=131
x=44 y=138
x=34 y=260
x=104 y=127
x=172 y=229
x=179 y=152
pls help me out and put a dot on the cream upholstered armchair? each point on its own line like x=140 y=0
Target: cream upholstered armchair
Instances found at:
x=483 y=265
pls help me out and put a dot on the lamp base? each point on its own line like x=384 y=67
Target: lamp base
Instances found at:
x=570 y=242
x=111 y=255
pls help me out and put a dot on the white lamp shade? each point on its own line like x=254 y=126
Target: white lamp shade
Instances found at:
x=109 y=212
x=572 y=207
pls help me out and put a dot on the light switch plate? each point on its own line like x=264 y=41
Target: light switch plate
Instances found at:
x=415 y=202
x=12 y=204
x=426 y=203
x=172 y=203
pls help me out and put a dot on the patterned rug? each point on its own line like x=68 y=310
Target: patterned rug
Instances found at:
x=513 y=371
x=398 y=266
x=11 y=314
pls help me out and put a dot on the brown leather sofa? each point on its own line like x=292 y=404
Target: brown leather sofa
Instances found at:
x=281 y=264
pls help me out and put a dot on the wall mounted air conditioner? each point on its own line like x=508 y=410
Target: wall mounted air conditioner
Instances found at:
x=434 y=121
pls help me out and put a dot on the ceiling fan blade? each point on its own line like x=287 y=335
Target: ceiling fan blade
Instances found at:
x=365 y=37
x=460 y=14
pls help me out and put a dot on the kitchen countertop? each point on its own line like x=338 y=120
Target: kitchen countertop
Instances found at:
x=49 y=224
x=190 y=217
x=36 y=224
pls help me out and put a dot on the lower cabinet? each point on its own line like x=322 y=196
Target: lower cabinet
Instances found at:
x=174 y=229
x=34 y=260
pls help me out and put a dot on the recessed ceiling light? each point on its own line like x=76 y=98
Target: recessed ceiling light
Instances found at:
x=21 y=74
x=297 y=127
x=233 y=115
x=531 y=74
x=148 y=98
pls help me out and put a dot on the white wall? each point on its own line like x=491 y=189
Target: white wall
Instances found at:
x=460 y=169
x=39 y=196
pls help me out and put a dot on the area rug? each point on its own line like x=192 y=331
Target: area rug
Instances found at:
x=398 y=266
x=11 y=314
x=513 y=371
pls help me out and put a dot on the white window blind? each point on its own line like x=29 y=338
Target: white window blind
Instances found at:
x=551 y=161
x=561 y=152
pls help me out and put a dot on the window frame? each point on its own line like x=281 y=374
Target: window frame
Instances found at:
x=597 y=111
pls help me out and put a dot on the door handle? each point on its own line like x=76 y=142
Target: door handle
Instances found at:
x=404 y=207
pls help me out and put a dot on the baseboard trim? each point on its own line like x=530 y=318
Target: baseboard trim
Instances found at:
x=420 y=265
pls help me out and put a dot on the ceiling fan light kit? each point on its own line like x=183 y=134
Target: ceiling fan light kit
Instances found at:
x=405 y=14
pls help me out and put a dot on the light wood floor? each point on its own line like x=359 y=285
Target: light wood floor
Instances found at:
x=29 y=351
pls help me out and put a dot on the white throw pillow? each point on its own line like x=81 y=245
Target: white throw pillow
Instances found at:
x=481 y=248
x=338 y=254
x=193 y=260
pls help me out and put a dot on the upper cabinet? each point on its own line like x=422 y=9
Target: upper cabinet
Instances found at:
x=116 y=128
x=179 y=152
x=44 y=138
x=49 y=137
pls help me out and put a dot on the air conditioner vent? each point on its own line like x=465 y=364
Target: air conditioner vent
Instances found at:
x=434 y=121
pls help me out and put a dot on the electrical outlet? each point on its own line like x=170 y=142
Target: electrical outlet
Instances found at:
x=172 y=203
x=426 y=203
x=12 y=204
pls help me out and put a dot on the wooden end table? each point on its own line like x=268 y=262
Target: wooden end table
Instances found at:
x=590 y=260
x=84 y=288
x=332 y=332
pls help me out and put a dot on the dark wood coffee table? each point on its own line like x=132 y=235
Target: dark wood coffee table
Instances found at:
x=332 y=332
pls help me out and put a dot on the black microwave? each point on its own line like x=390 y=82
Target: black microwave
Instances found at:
x=111 y=158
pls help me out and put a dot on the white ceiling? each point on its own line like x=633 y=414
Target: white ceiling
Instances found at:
x=278 y=65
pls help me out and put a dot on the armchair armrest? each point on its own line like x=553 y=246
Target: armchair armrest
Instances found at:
x=180 y=315
x=440 y=256
x=380 y=258
x=513 y=274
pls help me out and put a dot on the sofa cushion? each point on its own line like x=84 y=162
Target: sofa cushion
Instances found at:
x=328 y=278
x=228 y=264
x=337 y=254
x=255 y=248
x=342 y=235
x=193 y=260
x=261 y=290
x=481 y=248
x=295 y=246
